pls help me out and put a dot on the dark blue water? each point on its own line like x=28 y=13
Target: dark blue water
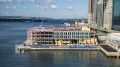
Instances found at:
x=12 y=33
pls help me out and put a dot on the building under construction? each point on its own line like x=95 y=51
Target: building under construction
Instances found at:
x=61 y=36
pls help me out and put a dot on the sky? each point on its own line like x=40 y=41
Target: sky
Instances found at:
x=45 y=8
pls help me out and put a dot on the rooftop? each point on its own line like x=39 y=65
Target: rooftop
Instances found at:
x=114 y=35
x=59 y=29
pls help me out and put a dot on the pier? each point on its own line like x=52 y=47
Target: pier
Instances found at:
x=105 y=49
x=84 y=48
x=61 y=49
x=109 y=51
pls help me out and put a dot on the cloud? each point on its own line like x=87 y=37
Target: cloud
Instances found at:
x=3 y=1
x=45 y=2
x=70 y=7
x=20 y=1
x=11 y=7
x=33 y=1
x=50 y=1
x=54 y=6
x=37 y=1
x=25 y=1
x=45 y=7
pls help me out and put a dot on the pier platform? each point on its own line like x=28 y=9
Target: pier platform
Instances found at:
x=52 y=49
x=30 y=48
x=106 y=49
x=109 y=51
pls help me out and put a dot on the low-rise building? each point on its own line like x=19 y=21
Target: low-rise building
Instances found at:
x=61 y=36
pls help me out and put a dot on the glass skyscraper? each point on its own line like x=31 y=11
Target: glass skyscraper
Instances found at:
x=100 y=14
x=92 y=13
x=97 y=12
x=106 y=13
x=116 y=15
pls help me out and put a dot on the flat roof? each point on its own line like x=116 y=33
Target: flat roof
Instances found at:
x=114 y=35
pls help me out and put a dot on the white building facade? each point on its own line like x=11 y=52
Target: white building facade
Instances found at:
x=113 y=40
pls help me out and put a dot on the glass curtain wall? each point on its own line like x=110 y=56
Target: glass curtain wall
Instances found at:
x=116 y=15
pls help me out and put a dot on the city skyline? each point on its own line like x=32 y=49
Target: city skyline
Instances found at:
x=45 y=8
x=104 y=14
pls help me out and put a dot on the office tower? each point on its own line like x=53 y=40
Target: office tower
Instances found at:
x=105 y=14
x=112 y=15
x=96 y=13
x=92 y=12
x=100 y=14
x=108 y=15
x=101 y=6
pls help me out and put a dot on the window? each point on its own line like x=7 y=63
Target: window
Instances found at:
x=116 y=15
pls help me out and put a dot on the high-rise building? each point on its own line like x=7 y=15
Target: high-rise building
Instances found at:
x=101 y=5
x=96 y=14
x=116 y=15
x=92 y=12
x=112 y=20
x=106 y=14
x=100 y=14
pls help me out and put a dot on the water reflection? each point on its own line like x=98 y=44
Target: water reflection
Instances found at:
x=14 y=33
x=71 y=59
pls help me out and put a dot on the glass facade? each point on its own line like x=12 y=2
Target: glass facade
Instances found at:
x=71 y=35
x=43 y=37
x=101 y=6
x=116 y=15
x=100 y=14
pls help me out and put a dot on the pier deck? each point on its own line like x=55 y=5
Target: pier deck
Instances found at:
x=109 y=51
x=106 y=49
x=57 y=48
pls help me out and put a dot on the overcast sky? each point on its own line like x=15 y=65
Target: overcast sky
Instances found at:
x=44 y=8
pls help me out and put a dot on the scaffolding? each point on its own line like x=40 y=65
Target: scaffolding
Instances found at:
x=61 y=36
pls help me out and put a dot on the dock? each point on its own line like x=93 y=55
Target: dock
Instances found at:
x=105 y=49
x=27 y=48
x=109 y=51
x=62 y=49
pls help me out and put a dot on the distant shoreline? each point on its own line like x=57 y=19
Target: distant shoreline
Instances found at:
x=22 y=20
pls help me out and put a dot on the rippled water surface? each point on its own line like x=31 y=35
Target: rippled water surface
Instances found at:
x=12 y=33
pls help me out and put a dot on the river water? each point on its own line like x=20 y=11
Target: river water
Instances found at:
x=13 y=33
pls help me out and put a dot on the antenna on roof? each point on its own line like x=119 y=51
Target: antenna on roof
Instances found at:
x=41 y=23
